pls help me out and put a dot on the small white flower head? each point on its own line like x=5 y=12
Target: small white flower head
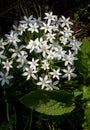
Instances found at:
x=33 y=45
x=28 y=20
x=45 y=65
x=51 y=54
x=50 y=37
x=75 y=44
x=4 y=78
x=13 y=38
x=63 y=40
x=33 y=64
x=7 y=64
x=22 y=28
x=60 y=53
x=22 y=57
x=67 y=32
x=69 y=73
x=65 y=22
x=50 y=17
x=44 y=82
x=56 y=73
x=29 y=72
x=33 y=27
x=44 y=49
x=46 y=27
x=69 y=58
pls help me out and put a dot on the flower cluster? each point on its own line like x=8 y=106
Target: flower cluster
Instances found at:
x=44 y=50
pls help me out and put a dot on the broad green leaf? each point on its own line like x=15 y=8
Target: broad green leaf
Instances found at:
x=49 y=102
x=87 y=115
x=83 y=64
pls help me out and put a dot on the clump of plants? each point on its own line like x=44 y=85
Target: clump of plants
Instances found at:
x=43 y=54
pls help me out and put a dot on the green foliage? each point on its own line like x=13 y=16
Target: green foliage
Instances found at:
x=49 y=102
x=87 y=115
x=86 y=93
x=83 y=64
x=7 y=125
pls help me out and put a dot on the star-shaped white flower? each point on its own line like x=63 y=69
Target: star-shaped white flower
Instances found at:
x=33 y=63
x=49 y=16
x=65 y=22
x=4 y=78
x=33 y=45
x=29 y=72
x=44 y=82
x=13 y=38
x=7 y=64
x=46 y=27
x=33 y=27
x=45 y=65
x=56 y=73
x=69 y=73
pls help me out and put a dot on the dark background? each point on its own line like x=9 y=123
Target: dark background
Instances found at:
x=12 y=11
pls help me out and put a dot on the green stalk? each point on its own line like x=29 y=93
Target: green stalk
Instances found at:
x=7 y=110
x=30 y=123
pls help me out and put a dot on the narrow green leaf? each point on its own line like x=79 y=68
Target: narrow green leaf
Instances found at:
x=49 y=102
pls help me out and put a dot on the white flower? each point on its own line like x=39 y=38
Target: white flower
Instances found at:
x=2 y=44
x=45 y=65
x=46 y=27
x=60 y=53
x=50 y=36
x=67 y=32
x=22 y=28
x=13 y=38
x=22 y=57
x=75 y=44
x=33 y=63
x=44 y=49
x=33 y=45
x=4 y=78
x=50 y=16
x=29 y=72
x=51 y=54
x=63 y=40
x=29 y=20
x=69 y=73
x=69 y=58
x=56 y=73
x=44 y=82
x=33 y=27
x=7 y=65
x=65 y=22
